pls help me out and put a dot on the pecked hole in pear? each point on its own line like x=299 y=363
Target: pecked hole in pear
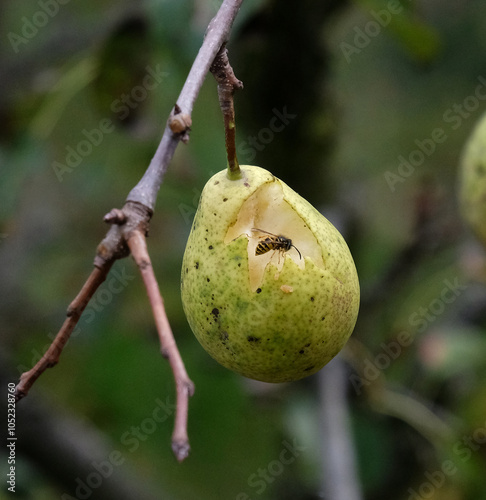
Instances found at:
x=267 y=210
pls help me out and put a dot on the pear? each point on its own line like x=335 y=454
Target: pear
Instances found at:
x=472 y=190
x=269 y=286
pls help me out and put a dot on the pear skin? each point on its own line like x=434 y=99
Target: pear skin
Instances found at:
x=268 y=309
x=472 y=190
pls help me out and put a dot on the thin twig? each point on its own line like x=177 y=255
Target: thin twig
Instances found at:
x=227 y=85
x=74 y=311
x=168 y=346
x=416 y=413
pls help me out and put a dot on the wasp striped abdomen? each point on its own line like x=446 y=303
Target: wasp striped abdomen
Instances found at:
x=274 y=242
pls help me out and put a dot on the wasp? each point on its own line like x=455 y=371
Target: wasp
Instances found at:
x=274 y=242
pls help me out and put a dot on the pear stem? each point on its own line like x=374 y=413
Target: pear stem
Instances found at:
x=227 y=85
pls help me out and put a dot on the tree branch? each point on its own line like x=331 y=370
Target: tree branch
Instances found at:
x=145 y=192
x=130 y=225
x=74 y=311
x=168 y=346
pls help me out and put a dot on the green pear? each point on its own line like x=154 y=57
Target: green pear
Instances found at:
x=472 y=190
x=269 y=286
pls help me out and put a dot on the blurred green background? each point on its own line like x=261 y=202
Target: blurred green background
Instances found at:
x=378 y=99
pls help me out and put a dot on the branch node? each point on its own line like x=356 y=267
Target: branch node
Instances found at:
x=72 y=310
x=115 y=216
x=180 y=123
x=223 y=72
x=190 y=387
